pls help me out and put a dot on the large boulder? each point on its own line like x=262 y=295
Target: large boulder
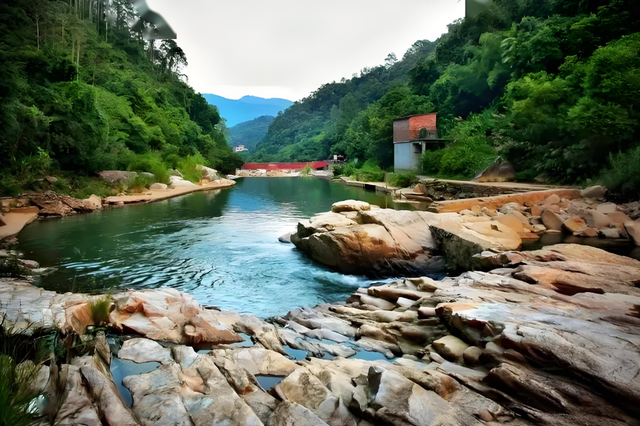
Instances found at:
x=52 y=204
x=373 y=242
x=499 y=171
x=209 y=173
x=459 y=238
x=387 y=242
x=179 y=182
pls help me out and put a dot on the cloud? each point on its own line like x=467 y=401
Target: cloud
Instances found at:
x=288 y=48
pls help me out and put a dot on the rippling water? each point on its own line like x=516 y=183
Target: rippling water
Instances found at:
x=219 y=246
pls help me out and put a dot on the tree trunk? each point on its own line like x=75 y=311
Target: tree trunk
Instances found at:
x=38 y=29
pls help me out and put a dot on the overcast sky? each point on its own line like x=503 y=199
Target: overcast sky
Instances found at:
x=288 y=48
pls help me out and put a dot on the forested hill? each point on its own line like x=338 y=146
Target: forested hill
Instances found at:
x=553 y=85
x=308 y=129
x=78 y=93
x=251 y=132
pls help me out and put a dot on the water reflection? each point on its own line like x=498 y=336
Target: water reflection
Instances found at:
x=221 y=246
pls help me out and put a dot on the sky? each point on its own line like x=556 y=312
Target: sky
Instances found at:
x=289 y=48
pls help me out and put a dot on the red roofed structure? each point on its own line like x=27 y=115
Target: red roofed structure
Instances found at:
x=412 y=136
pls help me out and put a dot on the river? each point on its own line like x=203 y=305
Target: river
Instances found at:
x=220 y=246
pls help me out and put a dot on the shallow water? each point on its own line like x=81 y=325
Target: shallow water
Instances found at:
x=221 y=246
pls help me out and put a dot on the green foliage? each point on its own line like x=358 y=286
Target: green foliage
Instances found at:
x=188 y=167
x=369 y=172
x=623 y=173
x=84 y=96
x=250 y=133
x=100 y=309
x=552 y=84
x=306 y=169
x=345 y=117
x=431 y=162
x=16 y=376
x=403 y=180
x=151 y=162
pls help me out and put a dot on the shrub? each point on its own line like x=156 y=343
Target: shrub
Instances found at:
x=431 y=162
x=369 y=172
x=403 y=180
x=306 y=170
x=624 y=171
x=151 y=162
x=467 y=157
x=16 y=376
x=100 y=309
x=188 y=167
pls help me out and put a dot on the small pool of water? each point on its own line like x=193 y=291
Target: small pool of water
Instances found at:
x=617 y=246
x=121 y=368
x=219 y=246
x=296 y=354
x=267 y=382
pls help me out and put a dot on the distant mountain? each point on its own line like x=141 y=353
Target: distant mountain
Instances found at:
x=246 y=108
x=251 y=132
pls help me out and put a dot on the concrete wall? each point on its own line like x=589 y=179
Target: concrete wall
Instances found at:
x=405 y=158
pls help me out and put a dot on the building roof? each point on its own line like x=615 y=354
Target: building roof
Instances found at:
x=414 y=115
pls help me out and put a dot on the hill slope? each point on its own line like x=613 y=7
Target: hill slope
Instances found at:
x=79 y=95
x=550 y=84
x=250 y=133
x=246 y=108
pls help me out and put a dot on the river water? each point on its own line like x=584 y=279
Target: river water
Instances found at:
x=220 y=246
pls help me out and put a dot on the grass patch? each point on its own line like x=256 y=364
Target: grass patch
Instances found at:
x=100 y=309
x=623 y=174
x=306 y=170
x=17 y=374
x=188 y=167
x=403 y=180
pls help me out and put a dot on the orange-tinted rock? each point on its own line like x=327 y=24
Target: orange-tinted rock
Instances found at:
x=575 y=224
x=552 y=220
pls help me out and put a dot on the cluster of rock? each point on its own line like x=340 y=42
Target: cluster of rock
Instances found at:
x=53 y=204
x=356 y=237
x=584 y=214
x=546 y=337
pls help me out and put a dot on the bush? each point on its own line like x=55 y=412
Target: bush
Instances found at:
x=16 y=376
x=151 y=162
x=100 y=309
x=624 y=171
x=466 y=158
x=347 y=169
x=431 y=162
x=188 y=167
x=403 y=180
x=306 y=170
x=369 y=172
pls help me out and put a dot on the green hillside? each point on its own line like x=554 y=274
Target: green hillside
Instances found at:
x=80 y=94
x=250 y=132
x=551 y=85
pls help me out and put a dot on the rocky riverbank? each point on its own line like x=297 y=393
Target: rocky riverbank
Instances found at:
x=20 y=211
x=356 y=237
x=543 y=337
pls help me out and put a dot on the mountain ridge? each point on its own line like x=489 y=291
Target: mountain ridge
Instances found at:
x=247 y=108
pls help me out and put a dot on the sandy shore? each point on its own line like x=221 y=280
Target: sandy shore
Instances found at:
x=159 y=195
x=19 y=218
